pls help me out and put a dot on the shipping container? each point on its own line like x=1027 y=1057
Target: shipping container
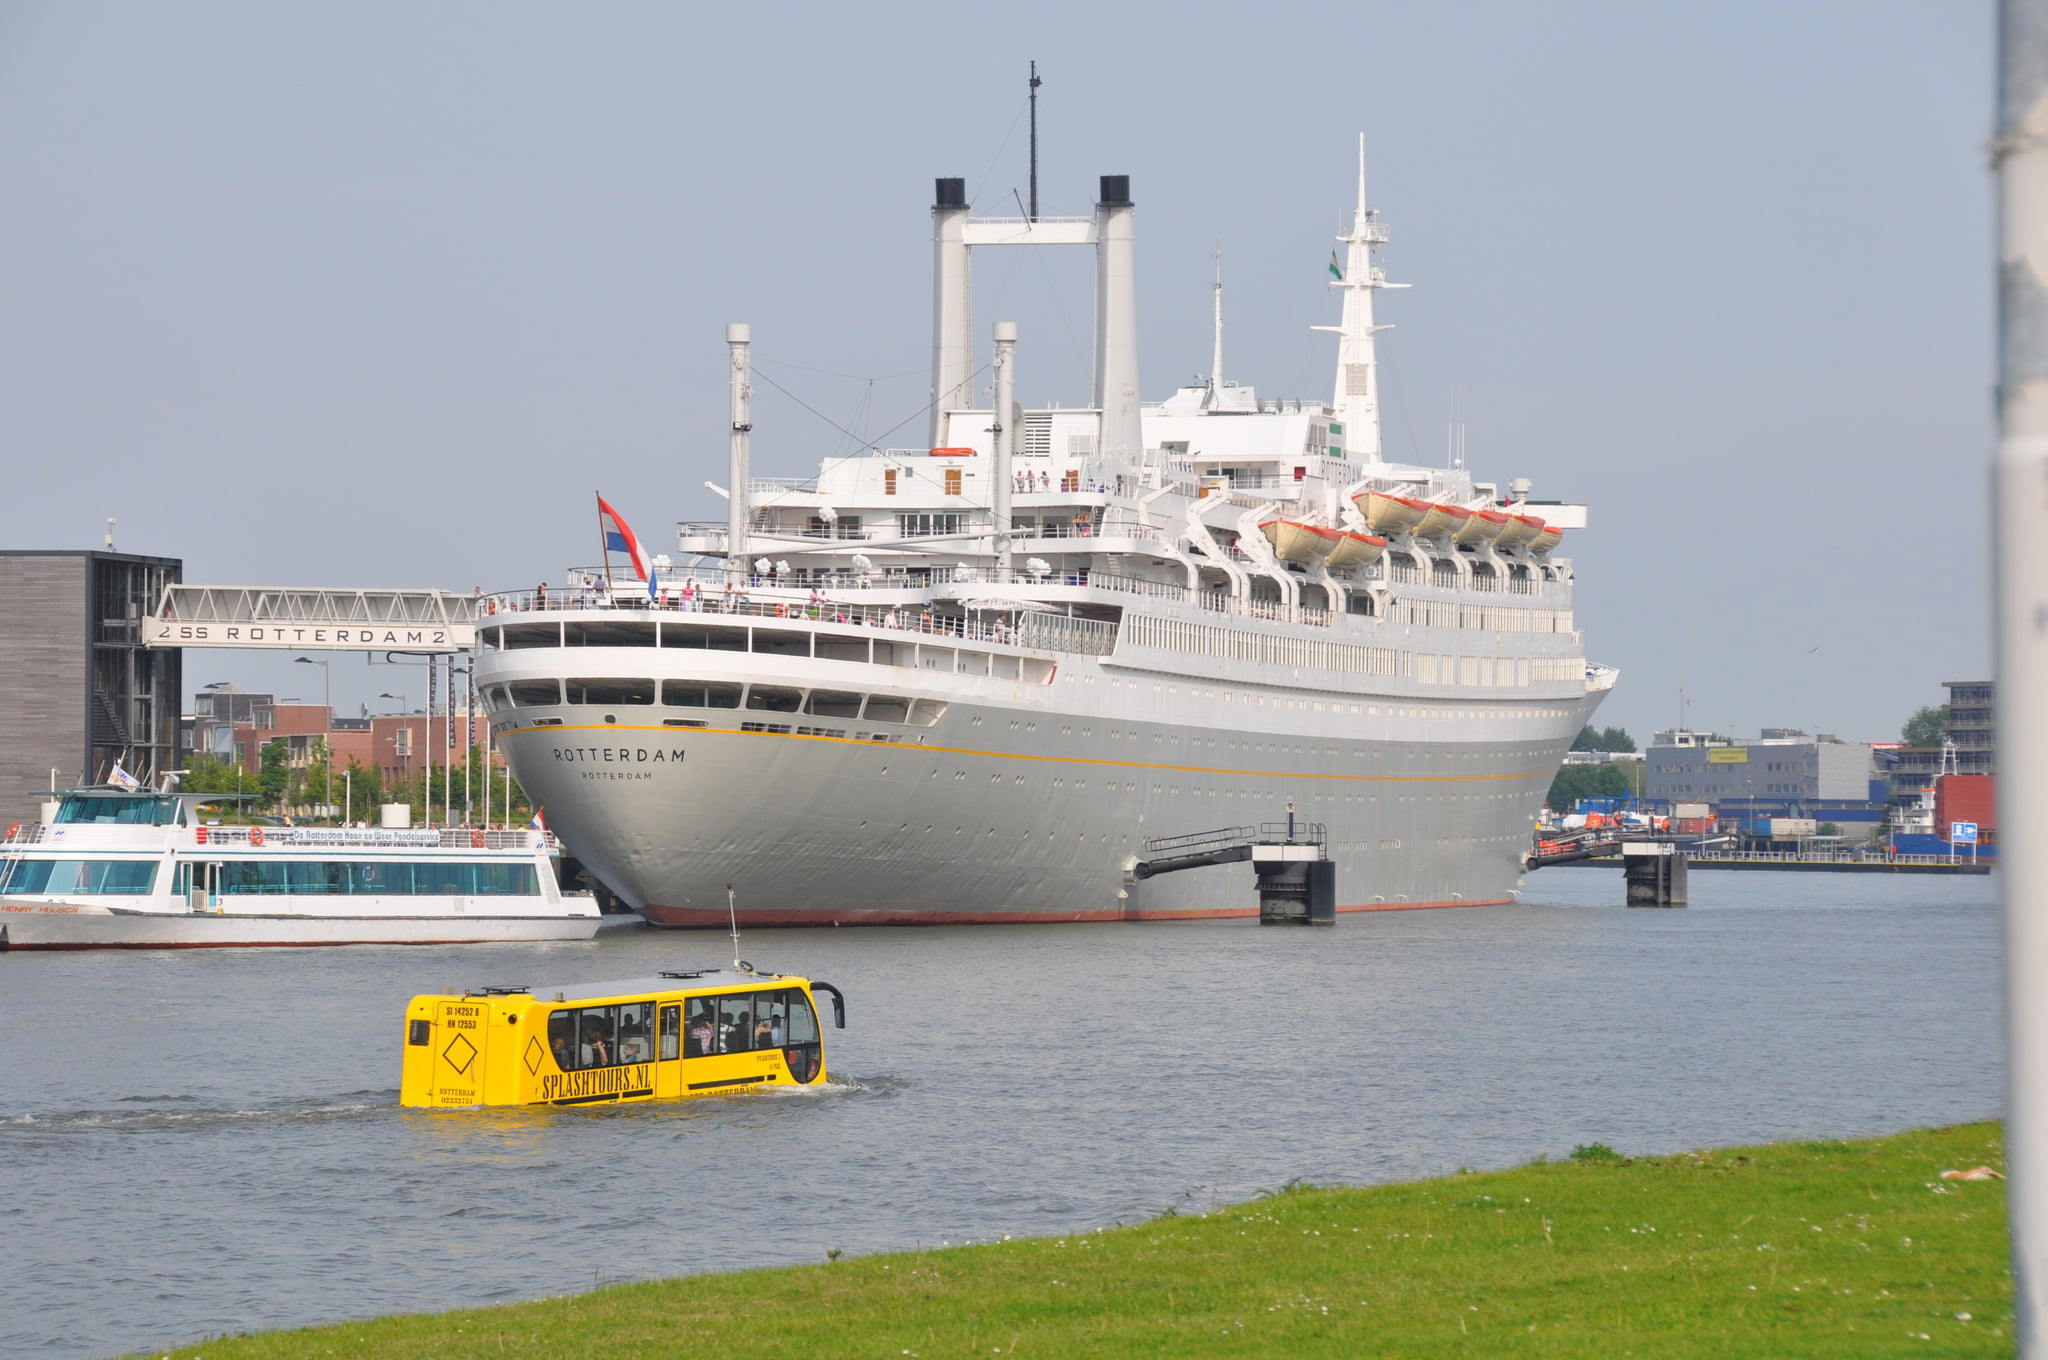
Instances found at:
x=1691 y=810
x=1789 y=828
x=1966 y=798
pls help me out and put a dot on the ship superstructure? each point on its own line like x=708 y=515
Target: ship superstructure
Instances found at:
x=968 y=681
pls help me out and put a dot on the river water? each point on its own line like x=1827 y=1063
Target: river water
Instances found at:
x=194 y=1143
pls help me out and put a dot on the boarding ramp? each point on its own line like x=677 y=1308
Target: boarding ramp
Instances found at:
x=399 y=619
x=1296 y=880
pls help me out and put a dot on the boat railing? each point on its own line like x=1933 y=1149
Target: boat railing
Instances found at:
x=372 y=838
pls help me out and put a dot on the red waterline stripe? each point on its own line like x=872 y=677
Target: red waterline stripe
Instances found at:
x=13 y=948
x=889 y=916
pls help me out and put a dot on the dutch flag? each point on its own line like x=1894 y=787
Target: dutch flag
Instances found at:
x=620 y=538
x=536 y=824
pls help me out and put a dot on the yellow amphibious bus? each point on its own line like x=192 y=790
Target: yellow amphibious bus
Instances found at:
x=660 y=1038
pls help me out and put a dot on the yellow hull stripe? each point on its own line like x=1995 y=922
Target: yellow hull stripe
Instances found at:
x=1055 y=760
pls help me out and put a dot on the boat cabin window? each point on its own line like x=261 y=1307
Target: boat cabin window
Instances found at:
x=774 y=698
x=609 y=691
x=86 y=877
x=371 y=878
x=636 y=1032
x=535 y=693
x=699 y=694
x=118 y=809
x=832 y=703
x=888 y=708
x=607 y=634
x=520 y=635
x=601 y=1036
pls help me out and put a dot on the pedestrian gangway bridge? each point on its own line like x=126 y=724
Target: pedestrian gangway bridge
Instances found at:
x=1297 y=881
x=300 y=618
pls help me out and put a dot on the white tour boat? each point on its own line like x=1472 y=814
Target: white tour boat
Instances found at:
x=121 y=869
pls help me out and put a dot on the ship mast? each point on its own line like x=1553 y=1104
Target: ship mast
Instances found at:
x=1356 y=401
x=1035 y=83
x=1216 y=348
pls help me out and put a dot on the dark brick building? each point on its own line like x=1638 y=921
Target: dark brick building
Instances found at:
x=78 y=691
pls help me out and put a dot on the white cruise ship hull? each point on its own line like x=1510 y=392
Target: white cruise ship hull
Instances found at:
x=978 y=820
x=59 y=925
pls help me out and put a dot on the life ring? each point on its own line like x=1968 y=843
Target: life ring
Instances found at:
x=782 y=611
x=255 y=835
x=476 y=839
x=13 y=830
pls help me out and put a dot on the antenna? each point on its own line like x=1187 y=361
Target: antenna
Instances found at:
x=733 y=914
x=1035 y=83
x=111 y=522
x=1216 y=355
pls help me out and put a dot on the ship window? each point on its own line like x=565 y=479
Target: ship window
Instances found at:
x=118 y=809
x=533 y=693
x=777 y=642
x=831 y=648
x=926 y=712
x=887 y=708
x=726 y=639
x=608 y=634
x=610 y=691
x=671 y=1032
x=681 y=635
x=561 y=1039
x=832 y=703
x=699 y=694
x=109 y=877
x=774 y=699
x=532 y=635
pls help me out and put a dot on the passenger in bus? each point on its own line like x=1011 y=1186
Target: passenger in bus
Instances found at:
x=698 y=1041
x=597 y=1049
x=561 y=1036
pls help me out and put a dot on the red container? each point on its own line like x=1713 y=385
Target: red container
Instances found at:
x=1965 y=798
x=1692 y=826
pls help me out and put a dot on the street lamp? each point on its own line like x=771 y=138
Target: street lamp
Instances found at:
x=327 y=684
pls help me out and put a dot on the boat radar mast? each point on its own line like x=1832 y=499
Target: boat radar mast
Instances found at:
x=1356 y=401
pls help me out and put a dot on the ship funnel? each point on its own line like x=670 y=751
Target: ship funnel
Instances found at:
x=1116 y=318
x=952 y=304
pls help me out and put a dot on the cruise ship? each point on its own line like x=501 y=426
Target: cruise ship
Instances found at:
x=968 y=682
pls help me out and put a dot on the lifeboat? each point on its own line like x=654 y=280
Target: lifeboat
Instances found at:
x=1354 y=550
x=1438 y=520
x=1519 y=530
x=1546 y=539
x=1480 y=526
x=1296 y=542
x=1388 y=513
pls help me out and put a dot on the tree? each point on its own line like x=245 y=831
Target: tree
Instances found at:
x=1574 y=782
x=1926 y=727
x=363 y=790
x=1604 y=739
x=275 y=775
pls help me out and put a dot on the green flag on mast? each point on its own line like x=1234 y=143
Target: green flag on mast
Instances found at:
x=1336 y=270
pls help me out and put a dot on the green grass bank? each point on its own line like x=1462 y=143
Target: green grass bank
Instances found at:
x=1791 y=1249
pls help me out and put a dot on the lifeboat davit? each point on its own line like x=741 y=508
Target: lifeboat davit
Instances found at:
x=1388 y=513
x=1296 y=542
x=1438 y=520
x=1546 y=539
x=1355 y=550
x=1480 y=526
x=1519 y=530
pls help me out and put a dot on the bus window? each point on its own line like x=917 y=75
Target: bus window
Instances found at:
x=671 y=1033
x=597 y=1036
x=735 y=1023
x=700 y=1035
x=800 y=1048
x=635 y=1043
x=771 y=1019
x=562 y=1039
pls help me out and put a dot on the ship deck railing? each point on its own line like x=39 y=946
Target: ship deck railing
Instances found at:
x=785 y=597
x=306 y=837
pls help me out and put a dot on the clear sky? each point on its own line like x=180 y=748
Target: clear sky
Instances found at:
x=379 y=293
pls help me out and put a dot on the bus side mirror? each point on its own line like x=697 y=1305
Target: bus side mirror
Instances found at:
x=838 y=1003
